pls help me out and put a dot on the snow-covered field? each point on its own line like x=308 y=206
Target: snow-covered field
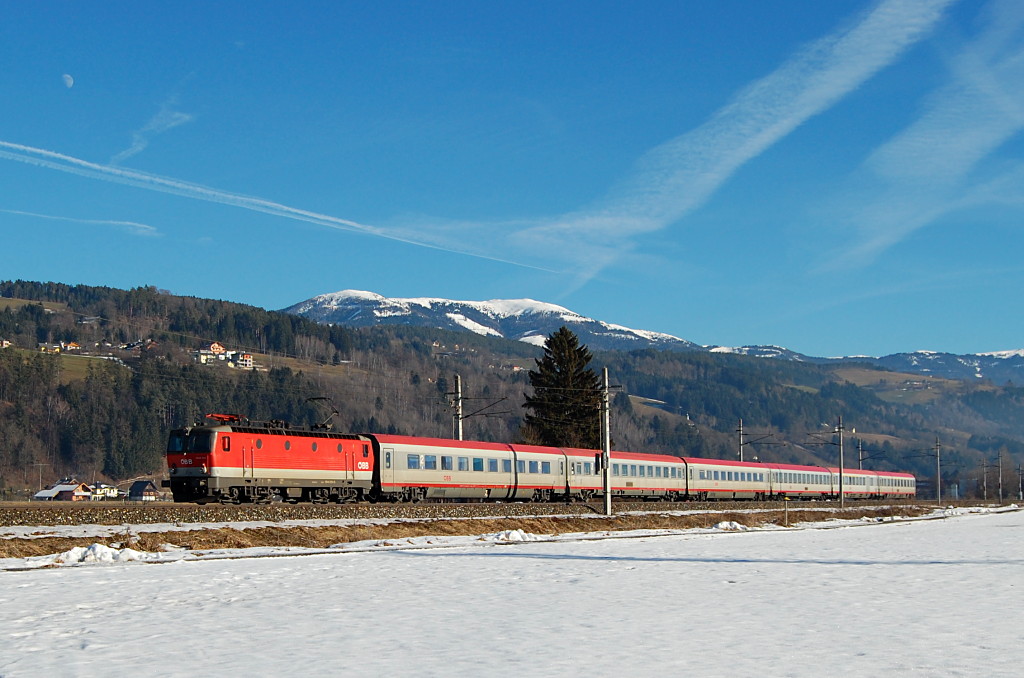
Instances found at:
x=925 y=597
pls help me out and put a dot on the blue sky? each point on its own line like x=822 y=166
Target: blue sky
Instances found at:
x=835 y=177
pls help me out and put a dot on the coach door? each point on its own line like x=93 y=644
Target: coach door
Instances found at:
x=387 y=468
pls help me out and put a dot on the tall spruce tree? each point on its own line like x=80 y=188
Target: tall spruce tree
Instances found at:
x=564 y=410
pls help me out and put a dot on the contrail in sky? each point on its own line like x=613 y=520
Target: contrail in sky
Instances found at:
x=133 y=226
x=680 y=175
x=669 y=182
x=65 y=163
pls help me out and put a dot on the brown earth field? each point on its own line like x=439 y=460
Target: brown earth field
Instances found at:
x=325 y=536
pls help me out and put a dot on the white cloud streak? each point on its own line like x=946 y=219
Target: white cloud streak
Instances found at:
x=931 y=168
x=164 y=120
x=669 y=181
x=132 y=227
x=675 y=178
x=39 y=157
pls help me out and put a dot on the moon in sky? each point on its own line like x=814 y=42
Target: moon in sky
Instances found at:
x=69 y=82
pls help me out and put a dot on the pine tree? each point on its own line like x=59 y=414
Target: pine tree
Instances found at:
x=564 y=410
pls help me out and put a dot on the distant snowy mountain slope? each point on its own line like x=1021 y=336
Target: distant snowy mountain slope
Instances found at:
x=520 y=319
x=532 y=321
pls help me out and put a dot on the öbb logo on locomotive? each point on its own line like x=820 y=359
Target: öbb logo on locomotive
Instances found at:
x=233 y=459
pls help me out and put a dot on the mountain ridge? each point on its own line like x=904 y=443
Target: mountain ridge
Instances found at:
x=531 y=321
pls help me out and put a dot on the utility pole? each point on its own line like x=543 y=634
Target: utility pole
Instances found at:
x=457 y=417
x=999 y=457
x=1020 y=483
x=842 y=497
x=740 y=431
x=984 y=471
x=606 y=444
x=860 y=454
x=40 y=467
x=938 y=471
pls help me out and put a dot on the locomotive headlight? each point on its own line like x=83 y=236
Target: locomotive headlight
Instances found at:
x=174 y=469
x=204 y=468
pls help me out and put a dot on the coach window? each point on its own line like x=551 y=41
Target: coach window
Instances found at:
x=387 y=459
x=545 y=467
x=413 y=461
x=506 y=466
x=534 y=467
x=643 y=471
x=492 y=465
x=463 y=463
x=430 y=461
x=478 y=463
x=521 y=466
x=615 y=469
x=587 y=468
x=446 y=463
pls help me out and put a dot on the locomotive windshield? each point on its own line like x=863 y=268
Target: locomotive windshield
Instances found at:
x=183 y=441
x=201 y=441
x=177 y=441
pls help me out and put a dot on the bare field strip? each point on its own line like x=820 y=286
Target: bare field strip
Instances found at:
x=325 y=536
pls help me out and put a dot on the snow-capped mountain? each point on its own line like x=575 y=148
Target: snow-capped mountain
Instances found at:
x=998 y=367
x=532 y=321
x=520 y=319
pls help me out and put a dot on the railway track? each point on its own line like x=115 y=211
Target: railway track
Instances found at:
x=118 y=513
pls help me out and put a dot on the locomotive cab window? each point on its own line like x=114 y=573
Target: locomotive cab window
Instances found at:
x=177 y=442
x=201 y=442
x=225 y=443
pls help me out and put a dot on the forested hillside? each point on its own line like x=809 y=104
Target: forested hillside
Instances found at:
x=129 y=372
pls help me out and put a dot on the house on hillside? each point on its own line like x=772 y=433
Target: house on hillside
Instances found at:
x=143 y=490
x=101 y=491
x=65 y=490
x=4 y=343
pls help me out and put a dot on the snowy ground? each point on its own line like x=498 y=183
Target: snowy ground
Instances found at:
x=925 y=598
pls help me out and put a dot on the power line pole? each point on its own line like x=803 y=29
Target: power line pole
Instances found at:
x=740 y=431
x=938 y=471
x=40 y=467
x=457 y=417
x=999 y=457
x=842 y=496
x=606 y=444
